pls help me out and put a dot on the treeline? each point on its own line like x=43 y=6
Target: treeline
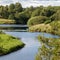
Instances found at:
x=22 y=15
x=44 y=15
x=16 y=12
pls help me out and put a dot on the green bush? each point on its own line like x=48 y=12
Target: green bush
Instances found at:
x=37 y=20
x=56 y=16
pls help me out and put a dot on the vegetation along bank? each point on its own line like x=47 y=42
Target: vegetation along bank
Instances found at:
x=9 y=44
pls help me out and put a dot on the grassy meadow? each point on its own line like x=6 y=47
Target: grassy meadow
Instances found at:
x=6 y=21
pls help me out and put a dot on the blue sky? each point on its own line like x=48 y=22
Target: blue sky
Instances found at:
x=27 y=3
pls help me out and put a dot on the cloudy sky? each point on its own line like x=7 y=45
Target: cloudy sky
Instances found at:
x=27 y=3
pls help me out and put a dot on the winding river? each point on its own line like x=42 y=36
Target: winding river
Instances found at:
x=31 y=48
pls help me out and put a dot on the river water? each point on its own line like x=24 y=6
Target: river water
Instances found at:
x=31 y=48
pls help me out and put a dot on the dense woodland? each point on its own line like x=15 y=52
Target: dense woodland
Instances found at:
x=22 y=15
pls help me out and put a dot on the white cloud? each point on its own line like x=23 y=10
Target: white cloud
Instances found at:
x=27 y=3
x=5 y=2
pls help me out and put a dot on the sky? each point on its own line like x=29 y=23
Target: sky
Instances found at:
x=28 y=3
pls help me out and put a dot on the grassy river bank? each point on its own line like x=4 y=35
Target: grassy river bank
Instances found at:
x=9 y=44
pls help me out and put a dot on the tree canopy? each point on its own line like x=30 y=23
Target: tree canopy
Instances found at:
x=22 y=15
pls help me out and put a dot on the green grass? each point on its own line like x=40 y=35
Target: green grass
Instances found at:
x=9 y=43
x=7 y=21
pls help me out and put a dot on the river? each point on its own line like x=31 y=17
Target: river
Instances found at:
x=30 y=49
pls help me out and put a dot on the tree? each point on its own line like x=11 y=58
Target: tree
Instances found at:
x=28 y=12
x=11 y=8
x=18 y=7
x=21 y=18
x=49 y=11
x=56 y=16
x=5 y=13
x=1 y=11
x=37 y=11
x=11 y=16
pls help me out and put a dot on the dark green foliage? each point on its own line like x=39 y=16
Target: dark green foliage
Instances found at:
x=28 y=11
x=56 y=16
x=37 y=11
x=49 y=11
x=11 y=8
x=11 y=16
x=22 y=15
x=21 y=18
x=18 y=7
x=37 y=20
x=5 y=13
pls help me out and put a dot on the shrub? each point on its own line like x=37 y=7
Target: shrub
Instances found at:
x=56 y=16
x=40 y=28
x=36 y=20
x=49 y=47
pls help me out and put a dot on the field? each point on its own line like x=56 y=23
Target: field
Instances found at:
x=6 y=21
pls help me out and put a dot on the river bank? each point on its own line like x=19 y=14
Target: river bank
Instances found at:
x=47 y=28
x=50 y=48
x=31 y=47
x=9 y=44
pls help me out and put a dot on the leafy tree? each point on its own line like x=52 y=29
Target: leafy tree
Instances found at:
x=18 y=7
x=11 y=8
x=22 y=15
x=11 y=16
x=21 y=18
x=28 y=12
x=37 y=11
x=5 y=13
x=56 y=16
x=49 y=11
x=1 y=10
